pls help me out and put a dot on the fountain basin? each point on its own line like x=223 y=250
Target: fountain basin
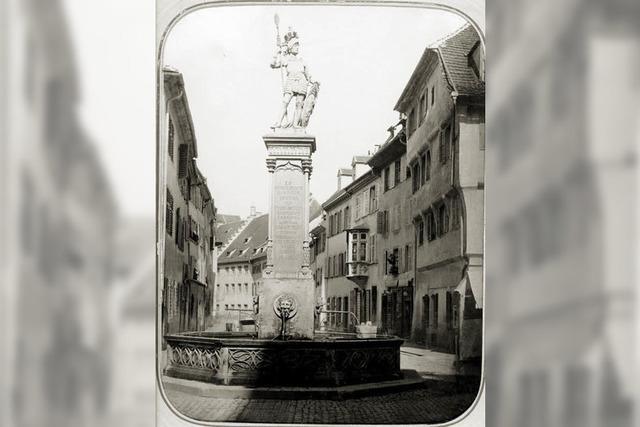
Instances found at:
x=233 y=359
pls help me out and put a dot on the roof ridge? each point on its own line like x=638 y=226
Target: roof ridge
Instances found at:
x=451 y=35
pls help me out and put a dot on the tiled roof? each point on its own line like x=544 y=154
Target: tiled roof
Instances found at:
x=241 y=249
x=454 y=51
x=361 y=159
x=225 y=232
x=226 y=219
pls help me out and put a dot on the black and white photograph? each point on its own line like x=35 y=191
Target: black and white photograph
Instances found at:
x=321 y=215
x=319 y=212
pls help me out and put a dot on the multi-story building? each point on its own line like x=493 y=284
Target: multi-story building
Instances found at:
x=189 y=223
x=394 y=236
x=444 y=105
x=345 y=244
x=236 y=280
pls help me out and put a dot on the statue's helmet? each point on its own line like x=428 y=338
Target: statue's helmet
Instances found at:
x=291 y=38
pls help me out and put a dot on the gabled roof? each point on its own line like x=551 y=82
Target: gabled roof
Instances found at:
x=226 y=218
x=241 y=249
x=226 y=231
x=453 y=53
x=176 y=96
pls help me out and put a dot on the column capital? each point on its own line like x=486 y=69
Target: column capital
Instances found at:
x=271 y=165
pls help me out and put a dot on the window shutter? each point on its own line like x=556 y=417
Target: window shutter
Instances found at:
x=169 y=216
x=171 y=138
x=182 y=161
x=380 y=222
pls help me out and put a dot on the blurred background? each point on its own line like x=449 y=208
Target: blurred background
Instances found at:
x=77 y=261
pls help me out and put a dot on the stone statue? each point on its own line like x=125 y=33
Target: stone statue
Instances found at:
x=297 y=84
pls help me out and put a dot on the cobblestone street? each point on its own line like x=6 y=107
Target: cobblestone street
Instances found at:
x=434 y=404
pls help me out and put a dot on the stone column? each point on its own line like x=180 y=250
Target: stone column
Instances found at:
x=287 y=275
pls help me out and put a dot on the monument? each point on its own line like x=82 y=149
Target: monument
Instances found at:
x=286 y=297
x=285 y=351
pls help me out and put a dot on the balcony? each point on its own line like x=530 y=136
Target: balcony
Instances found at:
x=358 y=272
x=357 y=259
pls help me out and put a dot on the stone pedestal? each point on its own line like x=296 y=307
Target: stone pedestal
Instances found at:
x=287 y=275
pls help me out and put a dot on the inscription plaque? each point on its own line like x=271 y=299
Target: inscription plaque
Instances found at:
x=288 y=216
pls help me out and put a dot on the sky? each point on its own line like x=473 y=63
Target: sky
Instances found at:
x=362 y=58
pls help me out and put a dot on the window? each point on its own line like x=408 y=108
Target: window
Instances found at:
x=426 y=101
x=412 y=121
x=182 y=160
x=415 y=177
x=425 y=313
x=246 y=288
x=396 y=173
x=455 y=213
x=449 y=310
x=339 y=222
x=340 y=265
x=226 y=306
x=382 y=222
x=407 y=258
x=357 y=216
x=433 y=95
x=180 y=230
x=345 y=266
x=171 y=137
x=169 y=214
x=347 y=218
x=358 y=247
x=427 y=167
x=386 y=178
x=372 y=248
x=445 y=136
x=420 y=233
x=431 y=226
x=423 y=107
x=434 y=302
x=443 y=220
x=373 y=199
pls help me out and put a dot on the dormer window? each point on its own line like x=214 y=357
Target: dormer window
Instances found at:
x=475 y=62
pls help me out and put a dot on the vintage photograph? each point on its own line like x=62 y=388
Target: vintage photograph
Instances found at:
x=321 y=214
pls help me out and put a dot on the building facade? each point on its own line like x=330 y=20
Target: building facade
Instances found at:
x=444 y=105
x=394 y=235
x=238 y=275
x=189 y=226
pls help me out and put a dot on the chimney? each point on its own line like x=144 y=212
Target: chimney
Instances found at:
x=359 y=166
x=345 y=177
x=252 y=211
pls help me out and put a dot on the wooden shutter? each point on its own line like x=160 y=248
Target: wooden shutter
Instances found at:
x=182 y=160
x=169 y=214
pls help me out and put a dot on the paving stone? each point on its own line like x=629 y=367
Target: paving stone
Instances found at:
x=432 y=405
